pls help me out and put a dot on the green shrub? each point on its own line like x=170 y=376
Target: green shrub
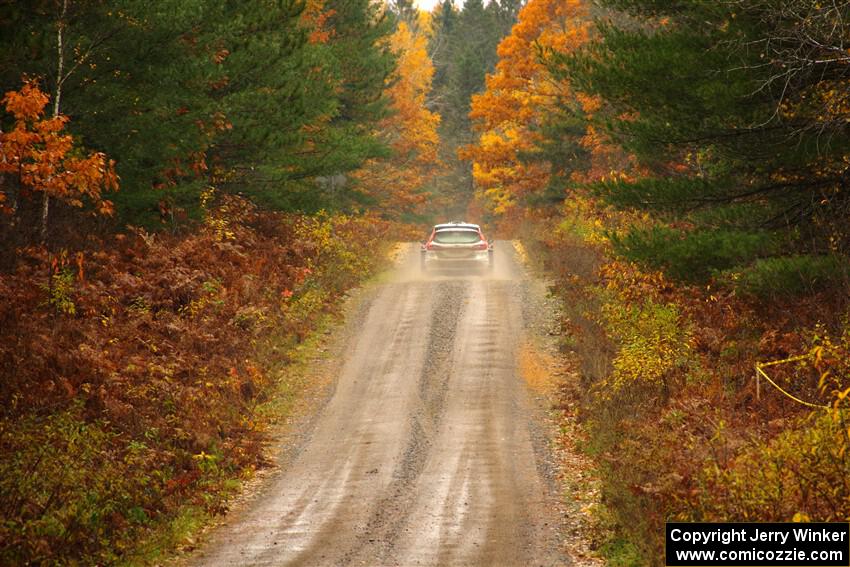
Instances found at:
x=59 y=292
x=622 y=553
x=652 y=341
x=788 y=276
x=802 y=473
x=64 y=489
x=692 y=256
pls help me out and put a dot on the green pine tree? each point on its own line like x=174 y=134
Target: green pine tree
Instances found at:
x=717 y=102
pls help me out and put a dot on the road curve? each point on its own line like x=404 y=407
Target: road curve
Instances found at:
x=426 y=452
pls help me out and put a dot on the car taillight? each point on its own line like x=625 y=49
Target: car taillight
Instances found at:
x=482 y=246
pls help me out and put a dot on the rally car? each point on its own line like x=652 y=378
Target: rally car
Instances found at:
x=456 y=246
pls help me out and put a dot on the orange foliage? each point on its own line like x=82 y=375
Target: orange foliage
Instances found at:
x=315 y=19
x=519 y=95
x=43 y=158
x=144 y=358
x=411 y=130
x=607 y=159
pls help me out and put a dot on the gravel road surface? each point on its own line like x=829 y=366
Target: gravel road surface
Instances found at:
x=429 y=449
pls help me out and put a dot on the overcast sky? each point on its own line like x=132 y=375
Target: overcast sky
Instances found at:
x=429 y=4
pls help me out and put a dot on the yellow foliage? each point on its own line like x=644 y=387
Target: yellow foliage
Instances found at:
x=216 y=218
x=410 y=131
x=652 y=340
x=425 y=23
x=831 y=359
x=799 y=475
x=592 y=220
x=338 y=262
x=519 y=94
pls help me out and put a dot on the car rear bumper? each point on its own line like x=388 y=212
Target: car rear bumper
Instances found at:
x=474 y=261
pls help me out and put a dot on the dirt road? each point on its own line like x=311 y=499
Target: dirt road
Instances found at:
x=427 y=452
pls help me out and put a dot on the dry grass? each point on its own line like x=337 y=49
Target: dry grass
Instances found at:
x=539 y=369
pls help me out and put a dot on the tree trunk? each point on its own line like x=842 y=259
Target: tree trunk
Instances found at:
x=45 y=211
x=3 y=190
x=57 y=99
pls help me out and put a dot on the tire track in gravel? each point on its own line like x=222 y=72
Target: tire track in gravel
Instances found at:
x=426 y=453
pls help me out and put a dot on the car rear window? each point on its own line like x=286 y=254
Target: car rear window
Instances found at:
x=456 y=237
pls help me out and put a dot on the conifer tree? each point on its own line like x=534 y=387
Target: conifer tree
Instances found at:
x=257 y=96
x=737 y=113
x=463 y=48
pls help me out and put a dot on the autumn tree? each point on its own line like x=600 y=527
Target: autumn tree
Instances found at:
x=38 y=158
x=132 y=80
x=470 y=36
x=267 y=99
x=395 y=185
x=521 y=95
x=463 y=49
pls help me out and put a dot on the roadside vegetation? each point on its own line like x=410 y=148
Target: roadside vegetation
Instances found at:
x=134 y=371
x=680 y=168
x=187 y=190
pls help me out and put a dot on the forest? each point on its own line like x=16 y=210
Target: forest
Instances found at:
x=189 y=190
x=682 y=168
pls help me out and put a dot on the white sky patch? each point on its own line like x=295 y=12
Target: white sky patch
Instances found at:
x=428 y=5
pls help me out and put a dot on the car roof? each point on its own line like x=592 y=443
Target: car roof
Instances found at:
x=456 y=224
